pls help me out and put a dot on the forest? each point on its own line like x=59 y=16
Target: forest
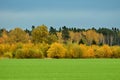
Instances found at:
x=41 y=42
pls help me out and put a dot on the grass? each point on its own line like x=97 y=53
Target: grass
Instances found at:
x=60 y=69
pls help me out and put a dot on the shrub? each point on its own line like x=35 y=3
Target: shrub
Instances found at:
x=43 y=47
x=116 y=51
x=104 y=52
x=1 y=50
x=4 y=48
x=8 y=55
x=73 y=51
x=18 y=53
x=90 y=53
x=83 y=50
x=28 y=53
x=56 y=50
x=35 y=53
x=99 y=53
x=107 y=51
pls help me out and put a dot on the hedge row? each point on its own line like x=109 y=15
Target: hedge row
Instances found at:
x=57 y=50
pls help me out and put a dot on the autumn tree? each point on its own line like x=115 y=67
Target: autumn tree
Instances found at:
x=52 y=38
x=40 y=34
x=56 y=50
x=104 y=52
x=75 y=36
x=18 y=35
x=73 y=51
x=90 y=53
x=92 y=36
x=4 y=36
x=84 y=49
x=59 y=36
x=116 y=51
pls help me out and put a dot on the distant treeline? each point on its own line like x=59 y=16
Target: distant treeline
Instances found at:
x=41 y=42
x=64 y=34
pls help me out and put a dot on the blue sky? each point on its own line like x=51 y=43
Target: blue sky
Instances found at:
x=57 y=13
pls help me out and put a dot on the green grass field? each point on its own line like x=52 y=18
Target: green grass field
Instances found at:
x=60 y=69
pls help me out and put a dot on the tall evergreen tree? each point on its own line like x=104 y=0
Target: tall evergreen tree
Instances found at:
x=65 y=34
x=52 y=31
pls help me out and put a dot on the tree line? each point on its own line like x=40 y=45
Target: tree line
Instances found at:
x=64 y=34
x=41 y=42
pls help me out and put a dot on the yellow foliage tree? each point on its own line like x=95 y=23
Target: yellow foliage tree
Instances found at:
x=5 y=36
x=92 y=35
x=51 y=38
x=75 y=36
x=18 y=35
x=73 y=51
x=40 y=34
x=59 y=35
x=90 y=53
x=84 y=49
x=107 y=51
x=104 y=52
x=116 y=51
x=87 y=51
x=56 y=50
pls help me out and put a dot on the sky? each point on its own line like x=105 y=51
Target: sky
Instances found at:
x=58 y=13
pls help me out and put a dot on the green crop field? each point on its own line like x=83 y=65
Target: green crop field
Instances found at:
x=60 y=69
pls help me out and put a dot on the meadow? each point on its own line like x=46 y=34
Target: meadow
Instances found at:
x=60 y=69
